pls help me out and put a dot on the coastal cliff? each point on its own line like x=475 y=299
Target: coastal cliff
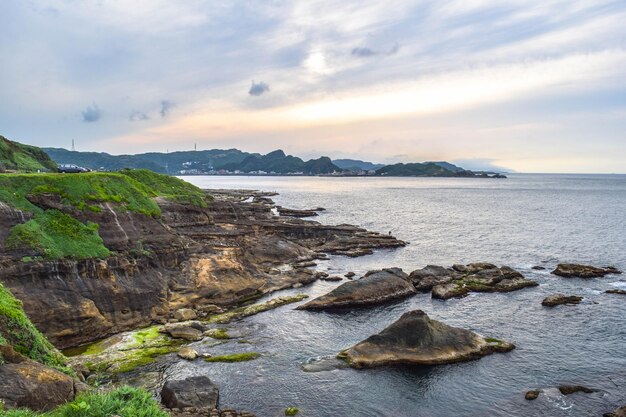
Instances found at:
x=224 y=250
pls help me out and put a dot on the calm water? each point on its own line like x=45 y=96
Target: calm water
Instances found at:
x=523 y=221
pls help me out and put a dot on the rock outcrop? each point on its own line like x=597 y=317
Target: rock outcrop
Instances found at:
x=415 y=339
x=572 y=389
x=583 y=271
x=476 y=277
x=190 y=257
x=375 y=287
x=560 y=299
x=197 y=392
x=426 y=278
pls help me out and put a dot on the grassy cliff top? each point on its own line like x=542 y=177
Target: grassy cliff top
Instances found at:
x=18 y=157
x=132 y=189
x=55 y=234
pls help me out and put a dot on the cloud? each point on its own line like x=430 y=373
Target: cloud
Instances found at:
x=137 y=116
x=166 y=107
x=363 y=52
x=394 y=49
x=256 y=89
x=91 y=114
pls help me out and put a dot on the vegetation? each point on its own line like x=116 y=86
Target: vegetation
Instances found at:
x=234 y=357
x=19 y=332
x=58 y=235
x=171 y=188
x=291 y=411
x=18 y=157
x=53 y=234
x=124 y=401
x=426 y=169
x=218 y=334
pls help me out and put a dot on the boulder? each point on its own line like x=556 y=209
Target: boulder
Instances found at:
x=532 y=395
x=560 y=299
x=538 y=268
x=184 y=332
x=571 y=389
x=426 y=278
x=187 y=353
x=332 y=278
x=620 y=412
x=415 y=339
x=616 y=291
x=185 y=314
x=26 y=383
x=197 y=392
x=350 y=275
x=583 y=271
x=375 y=287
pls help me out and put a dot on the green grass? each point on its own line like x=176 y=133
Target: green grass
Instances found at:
x=79 y=190
x=55 y=235
x=234 y=357
x=124 y=401
x=171 y=188
x=19 y=332
x=16 y=156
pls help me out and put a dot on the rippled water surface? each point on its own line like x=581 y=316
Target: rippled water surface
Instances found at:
x=522 y=221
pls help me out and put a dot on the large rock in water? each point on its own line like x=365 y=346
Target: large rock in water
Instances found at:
x=375 y=287
x=560 y=299
x=196 y=392
x=426 y=278
x=620 y=412
x=26 y=383
x=583 y=271
x=481 y=277
x=415 y=339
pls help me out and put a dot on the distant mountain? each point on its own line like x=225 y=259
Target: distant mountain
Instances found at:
x=447 y=165
x=168 y=163
x=198 y=162
x=25 y=158
x=356 y=164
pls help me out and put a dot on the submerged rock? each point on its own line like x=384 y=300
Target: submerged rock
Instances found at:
x=616 y=291
x=560 y=299
x=415 y=339
x=375 y=287
x=583 y=271
x=571 y=389
x=197 y=392
x=26 y=383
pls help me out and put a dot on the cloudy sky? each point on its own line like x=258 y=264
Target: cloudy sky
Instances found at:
x=534 y=86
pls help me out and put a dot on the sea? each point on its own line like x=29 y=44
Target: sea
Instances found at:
x=523 y=221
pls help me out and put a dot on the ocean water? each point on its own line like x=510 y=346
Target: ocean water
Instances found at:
x=521 y=221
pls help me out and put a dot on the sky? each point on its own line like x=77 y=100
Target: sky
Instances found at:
x=530 y=86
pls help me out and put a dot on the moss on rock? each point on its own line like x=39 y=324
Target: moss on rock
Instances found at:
x=234 y=357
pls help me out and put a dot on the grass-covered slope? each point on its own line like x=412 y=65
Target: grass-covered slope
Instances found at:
x=55 y=234
x=124 y=401
x=18 y=331
x=18 y=157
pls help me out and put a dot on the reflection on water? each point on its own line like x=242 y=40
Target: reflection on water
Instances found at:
x=523 y=221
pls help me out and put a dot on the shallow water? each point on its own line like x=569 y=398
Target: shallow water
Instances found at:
x=522 y=221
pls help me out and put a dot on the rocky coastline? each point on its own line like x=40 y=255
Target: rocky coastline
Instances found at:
x=173 y=281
